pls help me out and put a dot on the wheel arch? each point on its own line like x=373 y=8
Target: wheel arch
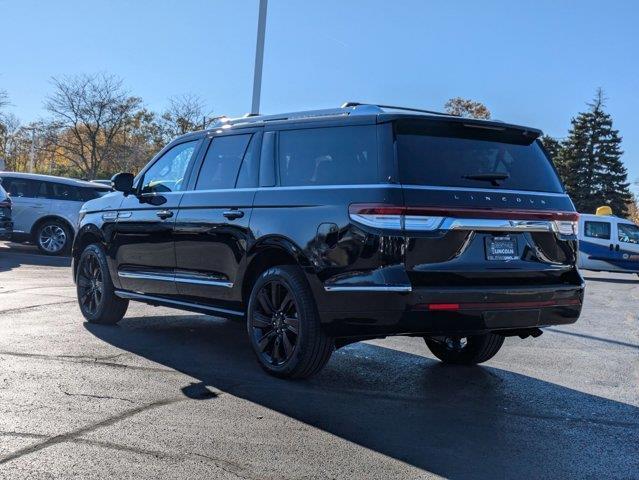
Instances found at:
x=269 y=252
x=87 y=235
x=46 y=218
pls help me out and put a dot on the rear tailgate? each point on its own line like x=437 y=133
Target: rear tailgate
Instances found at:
x=482 y=206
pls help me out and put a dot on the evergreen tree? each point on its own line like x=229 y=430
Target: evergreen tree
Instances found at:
x=590 y=159
x=554 y=147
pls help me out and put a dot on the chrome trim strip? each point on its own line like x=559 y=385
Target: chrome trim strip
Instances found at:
x=198 y=281
x=167 y=278
x=369 y=288
x=146 y=276
x=495 y=225
x=332 y=187
x=382 y=185
x=140 y=296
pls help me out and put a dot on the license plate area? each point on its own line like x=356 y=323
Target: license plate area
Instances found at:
x=502 y=248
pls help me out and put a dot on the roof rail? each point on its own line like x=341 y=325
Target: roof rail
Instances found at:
x=251 y=118
x=347 y=108
x=393 y=107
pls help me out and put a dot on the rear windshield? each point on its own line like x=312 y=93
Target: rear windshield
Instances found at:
x=455 y=155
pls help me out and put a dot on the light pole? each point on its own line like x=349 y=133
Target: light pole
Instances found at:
x=259 y=58
x=31 y=129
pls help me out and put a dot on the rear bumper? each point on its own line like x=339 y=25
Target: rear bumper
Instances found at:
x=452 y=311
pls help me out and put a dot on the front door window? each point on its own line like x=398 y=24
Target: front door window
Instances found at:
x=167 y=174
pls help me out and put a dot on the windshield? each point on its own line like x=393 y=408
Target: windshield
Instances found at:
x=461 y=156
x=628 y=233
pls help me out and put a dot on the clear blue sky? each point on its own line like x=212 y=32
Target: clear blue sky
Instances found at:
x=535 y=63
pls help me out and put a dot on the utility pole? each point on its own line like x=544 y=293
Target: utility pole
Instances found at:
x=259 y=58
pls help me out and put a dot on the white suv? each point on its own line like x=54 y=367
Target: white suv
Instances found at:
x=45 y=208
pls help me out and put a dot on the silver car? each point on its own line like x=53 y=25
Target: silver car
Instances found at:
x=6 y=225
x=45 y=208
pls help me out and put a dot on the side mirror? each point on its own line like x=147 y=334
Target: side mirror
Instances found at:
x=122 y=182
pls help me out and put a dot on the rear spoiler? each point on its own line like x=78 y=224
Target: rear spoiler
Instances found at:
x=463 y=128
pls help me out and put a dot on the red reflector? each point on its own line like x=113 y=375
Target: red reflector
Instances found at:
x=443 y=306
x=487 y=306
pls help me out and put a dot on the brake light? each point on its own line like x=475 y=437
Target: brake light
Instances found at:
x=567 y=227
x=443 y=306
x=393 y=217
x=6 y=203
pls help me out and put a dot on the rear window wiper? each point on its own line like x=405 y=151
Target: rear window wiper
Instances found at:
x=493 y=178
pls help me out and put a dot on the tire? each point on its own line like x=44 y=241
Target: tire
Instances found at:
x=53 y=237
x=476 y=349
x=284 y=327
x=96 y=294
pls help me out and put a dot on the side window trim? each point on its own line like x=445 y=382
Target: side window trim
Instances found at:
x=268 y=154
x=257 y=138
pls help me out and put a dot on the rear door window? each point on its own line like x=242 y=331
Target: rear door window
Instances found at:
x=456 y=155
x=222 y=162
x=597 y=230
x=61 y=191
x=328 y=156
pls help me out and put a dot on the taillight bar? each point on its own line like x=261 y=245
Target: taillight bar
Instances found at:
x=445 y=218
x=5 y=203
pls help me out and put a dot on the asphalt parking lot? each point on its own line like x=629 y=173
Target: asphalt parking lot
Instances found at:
x=168 y=394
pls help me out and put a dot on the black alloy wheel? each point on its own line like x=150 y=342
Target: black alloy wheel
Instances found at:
x=90 y=284
x=275 y=323
x=96 y=294
x=284 y=326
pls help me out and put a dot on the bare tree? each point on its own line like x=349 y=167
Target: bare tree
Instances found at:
x=463 y=107
x=9 y=137
x=186 y=113
x=88 y=113
x=4 y=98
x=8 y=126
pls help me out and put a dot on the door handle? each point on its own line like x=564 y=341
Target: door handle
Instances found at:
x=233 y=214
x=617 y=247
x=612 y=247
x=164 y=214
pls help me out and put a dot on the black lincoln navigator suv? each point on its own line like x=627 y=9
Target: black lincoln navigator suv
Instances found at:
x=323 y=228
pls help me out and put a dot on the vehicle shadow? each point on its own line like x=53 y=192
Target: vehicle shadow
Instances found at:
x=457 y=422
x=14 y=255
